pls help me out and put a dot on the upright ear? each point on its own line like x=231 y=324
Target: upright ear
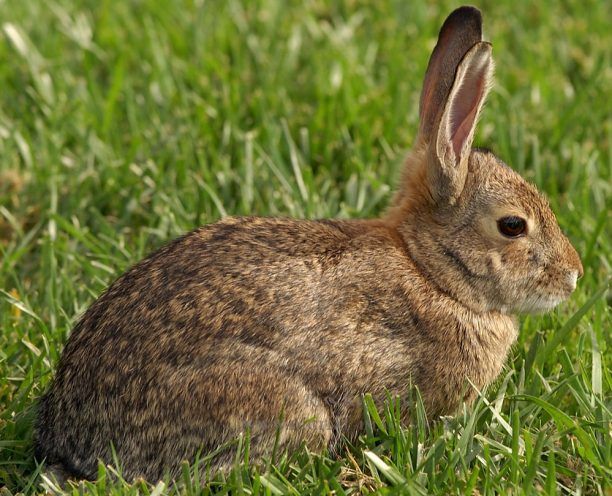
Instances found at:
x=460 y=32
x=455 y=130
x=456 y=85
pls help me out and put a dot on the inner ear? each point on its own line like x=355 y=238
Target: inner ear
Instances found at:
x=464 y=109
x=465 y=100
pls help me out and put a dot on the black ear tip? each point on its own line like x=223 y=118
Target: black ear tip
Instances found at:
x=466 y=13
x=464 y=18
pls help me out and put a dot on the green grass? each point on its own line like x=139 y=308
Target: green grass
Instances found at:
x=123 y=124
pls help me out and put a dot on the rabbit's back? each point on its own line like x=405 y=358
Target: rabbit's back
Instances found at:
x=264 y=282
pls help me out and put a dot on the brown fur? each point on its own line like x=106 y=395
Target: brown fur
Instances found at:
x=259 y=324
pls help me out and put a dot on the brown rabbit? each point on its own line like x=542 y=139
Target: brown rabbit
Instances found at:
x=248 y=321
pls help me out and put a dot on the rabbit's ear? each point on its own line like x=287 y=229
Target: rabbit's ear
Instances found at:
x=460 y=32
x=455 y=130
x=449 y=140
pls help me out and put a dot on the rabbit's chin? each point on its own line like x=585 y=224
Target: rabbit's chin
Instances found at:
x=538 y=304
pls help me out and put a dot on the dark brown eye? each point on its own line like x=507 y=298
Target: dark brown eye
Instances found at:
x=512 y=227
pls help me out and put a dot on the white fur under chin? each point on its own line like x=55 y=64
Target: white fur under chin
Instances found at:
x=539 y=304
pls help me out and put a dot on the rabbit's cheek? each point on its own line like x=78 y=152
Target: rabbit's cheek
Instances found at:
x=513 y=267
x=523 y=290
x=494 y=261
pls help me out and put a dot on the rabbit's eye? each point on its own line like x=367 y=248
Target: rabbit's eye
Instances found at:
x=513 y=227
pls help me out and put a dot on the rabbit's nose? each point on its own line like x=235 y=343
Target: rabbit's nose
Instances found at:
x=580 y=269
x=572 y=259
x=571 y=278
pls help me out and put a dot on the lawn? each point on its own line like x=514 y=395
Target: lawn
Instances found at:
x=125 y=124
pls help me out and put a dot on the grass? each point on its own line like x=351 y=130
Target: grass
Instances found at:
x=123 y=124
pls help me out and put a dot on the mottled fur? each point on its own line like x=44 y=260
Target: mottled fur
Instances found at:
x=250 y=321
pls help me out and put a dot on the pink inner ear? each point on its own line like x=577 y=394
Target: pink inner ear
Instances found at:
x=465 y=108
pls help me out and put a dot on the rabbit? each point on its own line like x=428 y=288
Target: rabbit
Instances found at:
x=276 y=327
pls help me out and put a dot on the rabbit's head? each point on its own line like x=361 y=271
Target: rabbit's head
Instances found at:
x=475 y=228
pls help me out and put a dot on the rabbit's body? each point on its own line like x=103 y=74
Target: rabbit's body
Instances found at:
x=276 y=325
x=233 y=323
